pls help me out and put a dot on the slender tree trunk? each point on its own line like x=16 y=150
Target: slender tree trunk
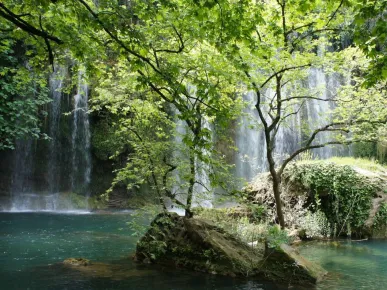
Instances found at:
x=188 y=212
x=276 y=186
x=277 y=196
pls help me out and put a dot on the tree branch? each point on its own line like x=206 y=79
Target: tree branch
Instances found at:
x=334 y=13
x=181 y=45
x=24 y=25
x=282 y=71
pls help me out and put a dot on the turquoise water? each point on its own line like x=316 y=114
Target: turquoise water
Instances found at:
x=32 y=245
x=351 y=265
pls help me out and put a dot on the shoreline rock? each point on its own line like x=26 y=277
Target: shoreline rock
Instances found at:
x=198 y=245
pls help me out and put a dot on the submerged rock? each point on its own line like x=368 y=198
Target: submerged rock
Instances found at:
x=119 y=271
x=199 y=245
x=76 y=262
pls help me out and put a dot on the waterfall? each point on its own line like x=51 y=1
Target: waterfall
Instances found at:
x=251 y=156
x=202 y=188
x=40 y=178
x=55 y=146
x=250 y=142
x=23 y=166
x=81 y=157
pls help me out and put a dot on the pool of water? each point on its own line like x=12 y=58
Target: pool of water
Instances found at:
x=32 y=245
x=351 y=265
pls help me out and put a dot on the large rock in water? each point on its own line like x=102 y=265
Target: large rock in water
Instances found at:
x=199 y=245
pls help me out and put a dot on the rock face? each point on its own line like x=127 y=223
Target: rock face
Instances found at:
x=198 y=245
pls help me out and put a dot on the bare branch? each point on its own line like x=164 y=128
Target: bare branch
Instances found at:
x=299 y=27
x=334 y=13
x=293 y=113
x=306 y=97
x=327 y=128
x=282 y=71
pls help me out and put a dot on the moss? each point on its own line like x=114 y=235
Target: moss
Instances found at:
x=200 y=245
x=96 y=202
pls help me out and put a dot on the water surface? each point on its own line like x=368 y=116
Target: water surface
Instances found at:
x=32 y=245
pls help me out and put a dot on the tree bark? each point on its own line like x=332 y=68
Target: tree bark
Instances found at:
x=277 y=196
x=276 y=182
x=188 y=212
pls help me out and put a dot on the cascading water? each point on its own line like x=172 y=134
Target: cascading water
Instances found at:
x=202 y=187
x=21 y=187
x=251 y=156
x=250 y=142
x=81 y=157
x=40 y=179
x=56 y=85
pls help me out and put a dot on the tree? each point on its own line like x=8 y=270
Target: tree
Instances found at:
x=289 y=40
x=23 y=92
x=161 y=44
x=191 y=59
x=370 y=35
x=172 y=66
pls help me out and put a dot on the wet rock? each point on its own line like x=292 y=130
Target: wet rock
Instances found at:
x=199 y=245
x=120 y=271
x=76 y=262
x=286 y=264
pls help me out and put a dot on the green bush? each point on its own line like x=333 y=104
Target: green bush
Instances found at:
x=338 y=191
x=380 y=220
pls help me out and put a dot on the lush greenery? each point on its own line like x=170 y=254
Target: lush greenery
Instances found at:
x=381 y=217
x=23 y=93
x=339 y=191
x=168 y=79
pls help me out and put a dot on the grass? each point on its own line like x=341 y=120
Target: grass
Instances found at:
x=363 y=163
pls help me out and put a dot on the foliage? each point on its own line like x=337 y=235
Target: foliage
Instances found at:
x=104 y=140
x=364 y=150
x=380 y=220
x=242 y=226
x=276 y=236
x=315 y=225
x=141 y=218
x=369 y=34
x=23 y=92
x=340 y=193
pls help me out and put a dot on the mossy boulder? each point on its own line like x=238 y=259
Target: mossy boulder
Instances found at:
x=199 y=245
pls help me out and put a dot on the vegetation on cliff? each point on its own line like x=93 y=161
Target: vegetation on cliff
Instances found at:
x=328 y=198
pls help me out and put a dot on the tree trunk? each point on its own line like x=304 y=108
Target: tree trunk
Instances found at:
x=276 y=187
x=188 y=212
x=277 y=196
